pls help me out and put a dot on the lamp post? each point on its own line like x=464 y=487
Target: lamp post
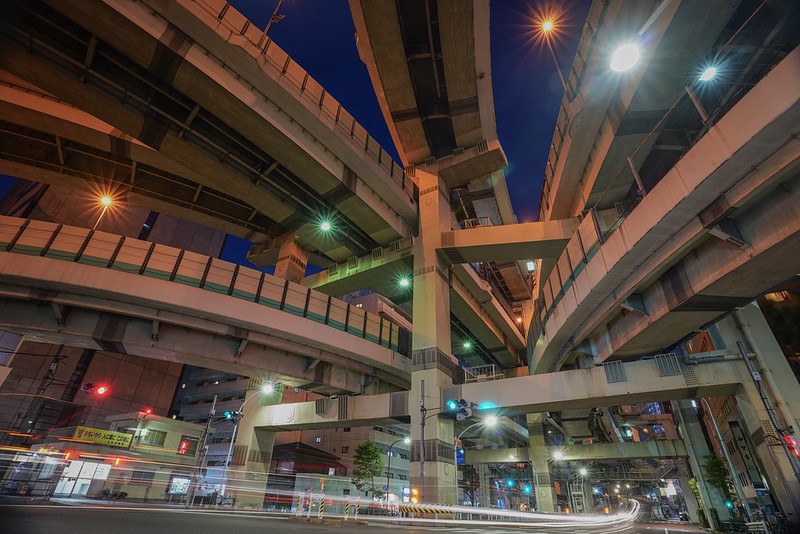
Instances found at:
x=582 y=472
x=490 y=422
x=407 y=441
x=266 y=389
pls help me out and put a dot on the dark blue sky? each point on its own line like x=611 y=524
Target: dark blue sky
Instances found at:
x=319 y=35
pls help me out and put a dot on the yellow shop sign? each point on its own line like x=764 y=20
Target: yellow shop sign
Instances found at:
x=103 y=437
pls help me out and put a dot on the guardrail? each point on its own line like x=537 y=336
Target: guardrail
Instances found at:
x=307 y=90
x=143 y=258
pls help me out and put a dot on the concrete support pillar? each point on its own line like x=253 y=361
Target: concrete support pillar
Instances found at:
x=252 y=453
x=689 y=498
x=485 y=492
x=540 y=460
x=292 y=259
x=782 y=390
x=691 y=431
x=432 y=362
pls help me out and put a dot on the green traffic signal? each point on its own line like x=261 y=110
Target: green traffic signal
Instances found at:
x=452 y=405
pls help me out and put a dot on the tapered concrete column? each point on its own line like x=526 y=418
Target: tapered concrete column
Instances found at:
x=539 y=457
x=691 y=431
x=783 y=392
x=432 y=362
x=485 y=490
x=292 y=259
x=252 y=453
x=689 y=498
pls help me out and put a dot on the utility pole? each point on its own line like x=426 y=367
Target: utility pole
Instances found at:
x=201 y=457
x=422 y=440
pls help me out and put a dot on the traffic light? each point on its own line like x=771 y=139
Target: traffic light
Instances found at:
x=729 y=504
x=91 y=388
x=792 y=444
x=527 y=489
x=233 y=416
x=183 y=447
x=452 y=405
x=415 y=495
x=510 y=483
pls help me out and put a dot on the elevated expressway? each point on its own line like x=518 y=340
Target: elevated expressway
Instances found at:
x=62 y=284
x=719 y=229
x=228 y=113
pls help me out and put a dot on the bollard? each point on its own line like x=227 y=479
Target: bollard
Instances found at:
x=299 y=510
x=358 y=507
x=310 y=502
x=321 y=509
x=346 y=509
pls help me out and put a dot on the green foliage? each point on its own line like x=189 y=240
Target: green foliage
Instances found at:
x=701 y=515
x=368 y=465
x=115 y=495
x=717 y=475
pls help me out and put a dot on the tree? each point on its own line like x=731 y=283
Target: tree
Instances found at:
x=717 y=475
x=368 y=465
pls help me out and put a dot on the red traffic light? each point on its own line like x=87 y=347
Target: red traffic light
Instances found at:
x=792 y=444
x=91 y=388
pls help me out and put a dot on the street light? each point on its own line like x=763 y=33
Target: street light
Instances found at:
x=266 y=389
x=106 y=201
x=625 y=57
x=407 y=441
x=489 y=422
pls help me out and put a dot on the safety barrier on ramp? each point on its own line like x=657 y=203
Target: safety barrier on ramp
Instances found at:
x=134 y=256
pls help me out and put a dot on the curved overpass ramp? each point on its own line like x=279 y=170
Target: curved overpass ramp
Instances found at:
x=64 y=284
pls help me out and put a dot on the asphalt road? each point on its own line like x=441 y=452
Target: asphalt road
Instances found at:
x=59 y=519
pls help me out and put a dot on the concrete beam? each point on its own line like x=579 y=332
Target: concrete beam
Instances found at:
x=509 y=242
x=673 y=448
x=574 y=389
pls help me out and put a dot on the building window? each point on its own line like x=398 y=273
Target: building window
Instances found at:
x=346 y=491
x=156 y=438
x=319 y=439
x=47 y=471
x=345 y=449
x=142 y=476
x=346 y=429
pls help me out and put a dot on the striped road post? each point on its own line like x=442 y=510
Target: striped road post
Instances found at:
x=299 y=510
x=358 y=507
x=346 y=509
x=321 y=509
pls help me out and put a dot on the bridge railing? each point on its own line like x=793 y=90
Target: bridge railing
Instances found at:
x=308 y=91
x=143 y=258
